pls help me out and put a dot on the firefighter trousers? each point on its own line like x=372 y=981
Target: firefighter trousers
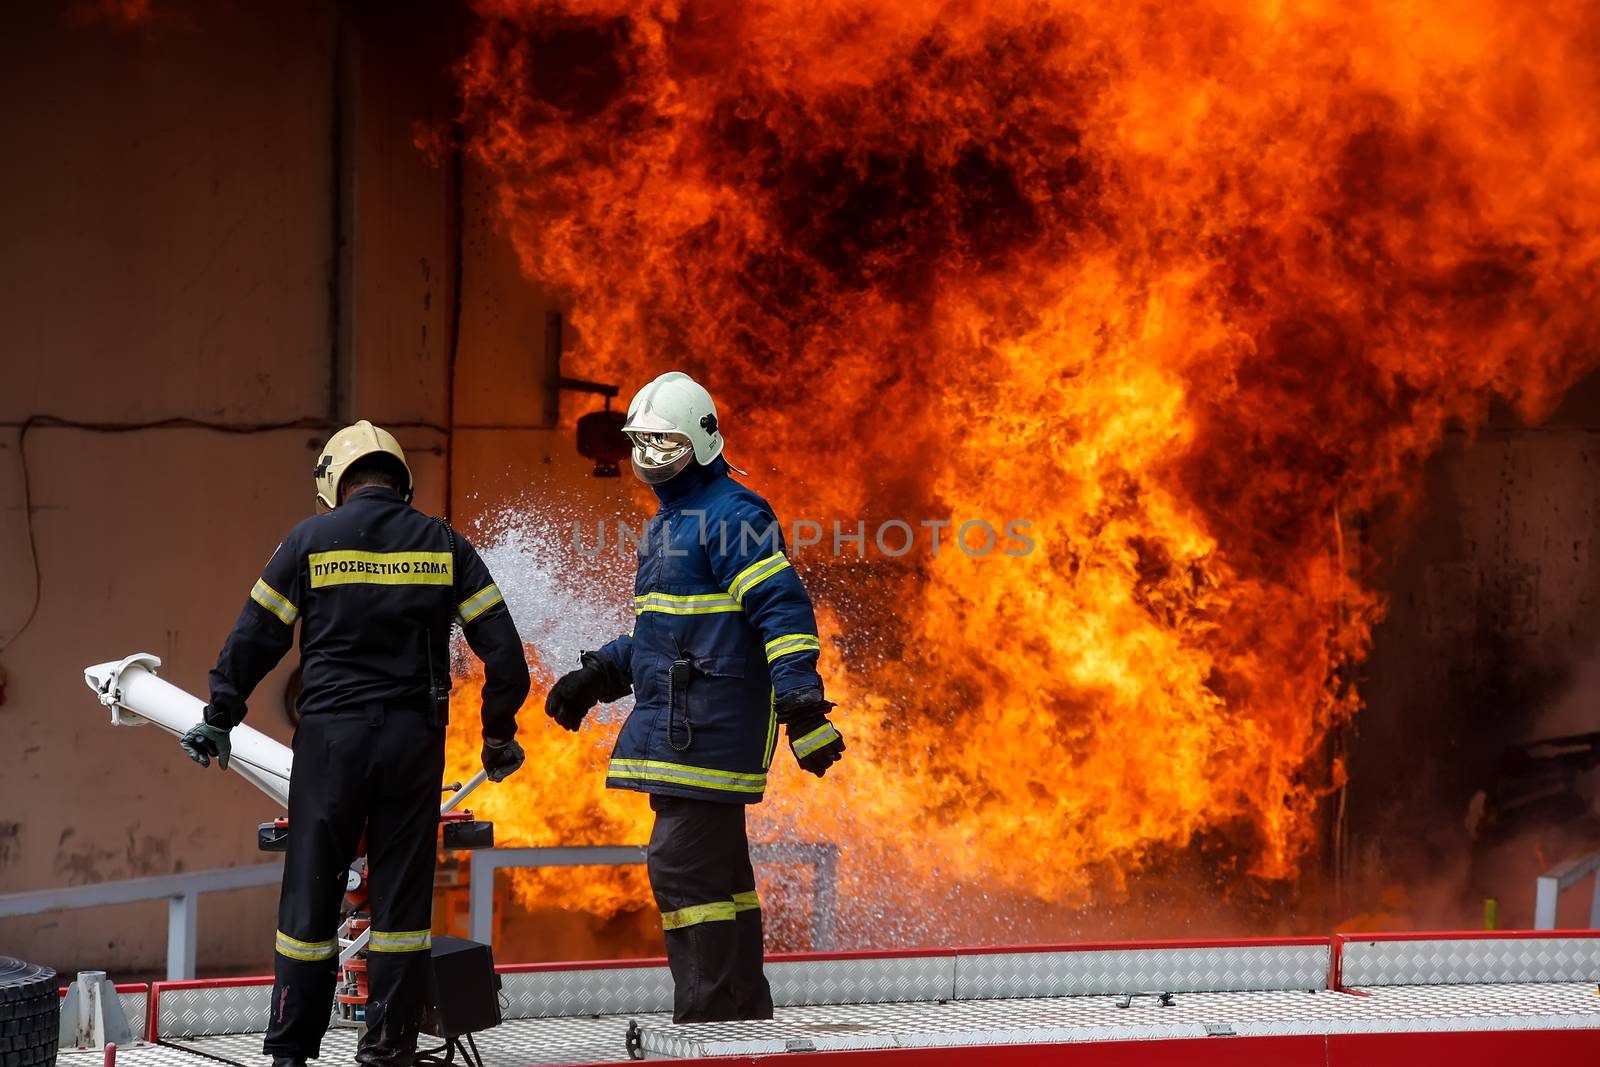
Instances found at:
x=375 y=770
x=700 y=873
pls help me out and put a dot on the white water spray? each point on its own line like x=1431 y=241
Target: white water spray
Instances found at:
x=563 y=601
x=567 y=597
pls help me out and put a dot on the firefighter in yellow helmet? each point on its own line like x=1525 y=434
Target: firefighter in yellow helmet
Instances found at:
x=351 y=445
x=375 y=586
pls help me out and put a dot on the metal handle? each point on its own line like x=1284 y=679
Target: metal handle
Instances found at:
x=1164 y=999
x=454 y=800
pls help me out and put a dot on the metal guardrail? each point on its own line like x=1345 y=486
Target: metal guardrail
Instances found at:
x=1561 y=877
x=182 y=893
x=486 y=861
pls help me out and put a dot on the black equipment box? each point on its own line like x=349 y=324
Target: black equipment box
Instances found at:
x=464 y=990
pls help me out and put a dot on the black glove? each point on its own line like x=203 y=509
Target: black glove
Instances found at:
x=815 y=742
x=501 y=759
x=203 y=741
x=577 y=691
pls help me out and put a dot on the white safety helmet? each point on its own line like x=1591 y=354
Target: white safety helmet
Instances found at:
x=672 y=423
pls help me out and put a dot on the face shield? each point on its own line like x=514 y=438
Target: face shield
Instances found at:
x=660 y=457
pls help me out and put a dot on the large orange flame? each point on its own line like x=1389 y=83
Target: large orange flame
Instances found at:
x=1188 y=288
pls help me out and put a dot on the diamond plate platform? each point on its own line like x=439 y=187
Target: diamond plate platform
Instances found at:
x=547 y=1042
x=1090 y=971
x=136 y=1009
x=1416 y=961
x=139 y=1055
x=545 y=994
x=520 y=1043
x=226 y=1008
x=879 y=980
x=1065 y=1020
x=550 y=992
x=1463 y=984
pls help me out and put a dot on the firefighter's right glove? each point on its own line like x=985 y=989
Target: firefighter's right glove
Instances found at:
x=577 y=691
x=204 y=741
x=815 y=742
x=501 y=759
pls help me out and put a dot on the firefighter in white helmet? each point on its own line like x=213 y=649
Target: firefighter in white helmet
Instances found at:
x=375 y=586
x=722 y=654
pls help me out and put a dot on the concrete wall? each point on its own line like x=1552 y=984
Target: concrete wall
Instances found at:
x=1492 y=635
x=218 y=215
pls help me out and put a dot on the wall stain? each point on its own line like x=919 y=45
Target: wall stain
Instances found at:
x=140 y=855
x=148 y=855
x=10 y=833
x=83 y=867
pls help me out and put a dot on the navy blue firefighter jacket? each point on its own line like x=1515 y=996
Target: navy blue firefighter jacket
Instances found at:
x=722 y=628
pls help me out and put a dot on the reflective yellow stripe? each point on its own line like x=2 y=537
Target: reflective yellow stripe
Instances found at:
x=704 y=777
x=479 y=602
x=756 y=573
x=306 y=951
x=721 y=911
x=816 y=739
x=739 y=775
x=400 y=941
x=746 y=901
x=783 y=646
x=274 y=602
x=673 y=609
x=349 y=567
x=772 y=730
x=695 y=604
x=689 y=598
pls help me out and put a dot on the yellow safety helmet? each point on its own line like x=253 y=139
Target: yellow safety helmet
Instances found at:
x=343 y=449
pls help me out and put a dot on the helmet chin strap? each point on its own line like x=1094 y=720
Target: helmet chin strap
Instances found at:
x=741 y=470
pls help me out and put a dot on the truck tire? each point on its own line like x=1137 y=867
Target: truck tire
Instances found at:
x=30 y=1014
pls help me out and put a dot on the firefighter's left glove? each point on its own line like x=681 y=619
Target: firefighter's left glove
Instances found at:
x=203 y=741
x=501 y=759
x=814 y=740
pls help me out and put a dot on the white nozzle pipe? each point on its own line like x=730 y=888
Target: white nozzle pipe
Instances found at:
x=130 y=688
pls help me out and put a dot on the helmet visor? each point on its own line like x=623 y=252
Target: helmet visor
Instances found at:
x=658 y=457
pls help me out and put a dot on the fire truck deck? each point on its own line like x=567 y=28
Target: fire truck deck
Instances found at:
x=1352 y=999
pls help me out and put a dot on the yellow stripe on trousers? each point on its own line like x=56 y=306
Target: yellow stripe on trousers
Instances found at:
x=306 y=951
x=400 y=940
x=695 y=914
